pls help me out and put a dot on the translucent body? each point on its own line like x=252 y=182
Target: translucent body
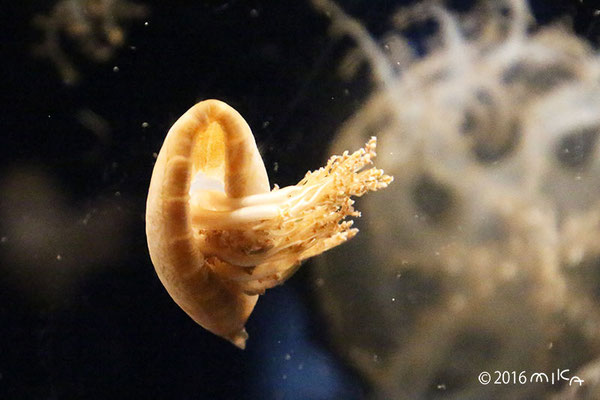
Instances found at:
x=484 y=254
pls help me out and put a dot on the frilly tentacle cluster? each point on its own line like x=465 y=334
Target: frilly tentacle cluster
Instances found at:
x=290 y=224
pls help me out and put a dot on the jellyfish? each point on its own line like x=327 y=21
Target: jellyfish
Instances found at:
x=491 y=131
x=218 y=237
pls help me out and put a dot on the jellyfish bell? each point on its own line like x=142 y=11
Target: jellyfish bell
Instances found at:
x=218 y=237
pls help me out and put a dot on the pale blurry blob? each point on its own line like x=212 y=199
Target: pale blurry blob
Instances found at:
x=484 y=254
x=50 y=243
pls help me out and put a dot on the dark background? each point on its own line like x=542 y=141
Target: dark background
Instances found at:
x=82 y=313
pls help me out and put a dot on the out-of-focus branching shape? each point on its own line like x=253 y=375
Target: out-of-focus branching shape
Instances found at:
x=93 y=27
x=484 y=255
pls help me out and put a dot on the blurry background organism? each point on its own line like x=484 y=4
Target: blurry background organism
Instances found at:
x=51 y=244
x=486 y=256
x=93 y=28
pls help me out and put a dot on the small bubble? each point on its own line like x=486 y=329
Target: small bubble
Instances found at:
x=288 y=357
x=320 y=282
x=58 y=257
x=300 y=366
x=275 y=166
x=117 y=194
x=115 y=69
x=155 y=154
x=375 y=358
x=550 y=345
x=393 y=299
x=145 y=124
x=398 y=275
x=346 y=92
x=132 y=48
x=284 y=377
x=441 y=386
x=254 y=13
x=4 y=239
x=49 y=116
x=266 y=124
x=146 y=23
